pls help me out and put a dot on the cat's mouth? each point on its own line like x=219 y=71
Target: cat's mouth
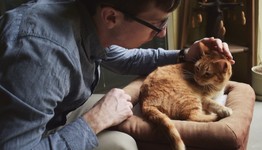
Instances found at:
x=201 y=82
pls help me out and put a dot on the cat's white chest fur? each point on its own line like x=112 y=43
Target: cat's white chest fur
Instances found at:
x=221 y=97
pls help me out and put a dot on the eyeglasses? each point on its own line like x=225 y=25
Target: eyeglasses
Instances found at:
x=161 y=27
x=157 y=30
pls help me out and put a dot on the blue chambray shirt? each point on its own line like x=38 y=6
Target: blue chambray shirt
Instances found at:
x=49 y=65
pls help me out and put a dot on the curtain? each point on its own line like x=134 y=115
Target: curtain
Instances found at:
x=259 y=32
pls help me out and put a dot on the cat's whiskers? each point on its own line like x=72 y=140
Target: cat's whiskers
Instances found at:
x=188 y=74
x=210 y=88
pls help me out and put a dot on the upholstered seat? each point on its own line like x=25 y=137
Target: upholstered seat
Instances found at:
x=230 y=133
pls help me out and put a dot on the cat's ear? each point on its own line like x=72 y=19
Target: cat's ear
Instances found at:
x=221 y=65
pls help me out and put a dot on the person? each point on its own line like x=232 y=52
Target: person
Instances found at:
x=50 y=55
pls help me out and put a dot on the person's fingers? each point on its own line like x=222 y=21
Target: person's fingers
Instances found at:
x=130 y=105
x=226 y=50
x=128 y=97
x=213 y=43
x=204 y=40
x=219 y=45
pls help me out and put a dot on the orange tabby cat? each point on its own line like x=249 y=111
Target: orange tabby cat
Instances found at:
x=186 y=92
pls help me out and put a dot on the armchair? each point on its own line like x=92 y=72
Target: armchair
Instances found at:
x=230 y=133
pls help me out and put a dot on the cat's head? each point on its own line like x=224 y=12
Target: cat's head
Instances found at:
x=212 y=68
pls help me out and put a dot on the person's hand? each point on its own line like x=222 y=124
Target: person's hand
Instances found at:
x=111 y=110
x=197 y=49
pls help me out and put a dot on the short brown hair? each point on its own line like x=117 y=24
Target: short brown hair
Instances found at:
x=133 y=7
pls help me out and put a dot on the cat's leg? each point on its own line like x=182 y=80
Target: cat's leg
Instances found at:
x=194 y=111
x=156 y=116
x=213 y=106
x=200 y=116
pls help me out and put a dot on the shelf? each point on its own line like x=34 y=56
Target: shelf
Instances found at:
x=237 y=48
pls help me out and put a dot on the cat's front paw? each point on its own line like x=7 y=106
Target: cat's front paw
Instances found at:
x=225 y=112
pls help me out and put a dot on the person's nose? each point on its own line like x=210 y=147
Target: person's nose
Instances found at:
x=162 y=33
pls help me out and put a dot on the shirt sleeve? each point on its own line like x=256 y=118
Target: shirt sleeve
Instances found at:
x=74 y=136
x=34 y=79
x=137 y=61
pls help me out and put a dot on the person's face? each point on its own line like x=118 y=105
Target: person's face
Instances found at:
x=135 y=33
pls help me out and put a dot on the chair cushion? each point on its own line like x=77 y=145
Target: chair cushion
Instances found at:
x=228 y=133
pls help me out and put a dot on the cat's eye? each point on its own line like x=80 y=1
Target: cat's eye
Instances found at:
x=208 y=75
x=197 y=69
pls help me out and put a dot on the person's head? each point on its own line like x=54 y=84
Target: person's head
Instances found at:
x=130 y=23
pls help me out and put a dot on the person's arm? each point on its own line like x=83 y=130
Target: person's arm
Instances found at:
x=34 y=79
x=137 y=61
x=143 y=61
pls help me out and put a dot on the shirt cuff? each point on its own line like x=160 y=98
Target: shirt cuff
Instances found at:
x=78 y=135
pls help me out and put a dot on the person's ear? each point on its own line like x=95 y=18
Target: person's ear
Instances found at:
x=109 y=16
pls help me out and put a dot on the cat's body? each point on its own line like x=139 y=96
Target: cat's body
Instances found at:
x=171 y=92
